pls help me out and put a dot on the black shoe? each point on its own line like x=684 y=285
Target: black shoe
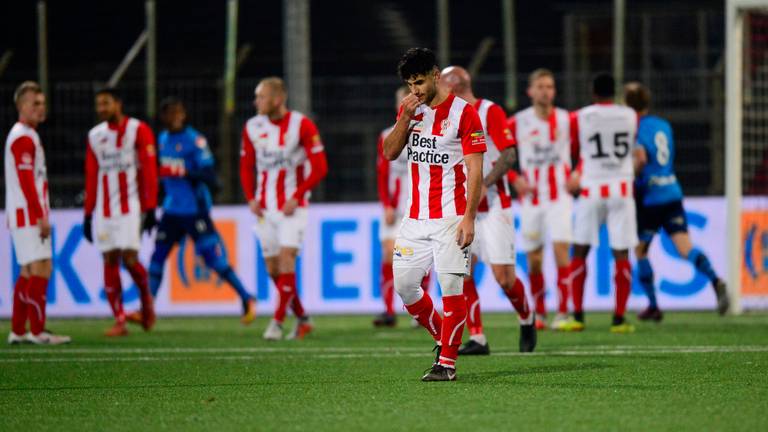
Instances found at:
x=651 y=314
x=474 y=348
x=385 y=320
x=440 y=373
x=723 y=302
x=528 y=337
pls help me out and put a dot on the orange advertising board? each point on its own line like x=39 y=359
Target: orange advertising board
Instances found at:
x=191 y=280
x=754 y=272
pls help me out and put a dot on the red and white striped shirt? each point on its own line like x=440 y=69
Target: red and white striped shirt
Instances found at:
x=604 y=135
x=288 y=156
x=438 y=139
x=498 y=138
x=26 y=180
x=544 y=152
x=392 y=176
x=120 y=169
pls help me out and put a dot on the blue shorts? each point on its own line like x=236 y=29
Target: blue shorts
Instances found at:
x=172 y=228
x=651 y=218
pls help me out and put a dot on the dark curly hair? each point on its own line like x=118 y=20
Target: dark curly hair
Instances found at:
x=416 y=61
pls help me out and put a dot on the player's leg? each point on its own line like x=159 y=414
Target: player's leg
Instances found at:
x=290 y=236
x=559 y=227
x=208 y=244
x=562 y=252
x=170 y=230
x=130 y=259
x=113 y=287
x=37 y=287
x=676 y=226
x=412 y=258
x=387 y=287
x=622 y=235
x=19 y=311
x=515 y=291
x=532 y=224
x=648 y=223
x=477 y=343
x=646 y=278
x=535 y=260
x=587 y=220
x=266 y=231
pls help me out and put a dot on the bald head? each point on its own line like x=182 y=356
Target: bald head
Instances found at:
x=456 y=79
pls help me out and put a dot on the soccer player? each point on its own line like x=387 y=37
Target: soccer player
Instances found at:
x=121 y=189
x=542 y=134
x=188 y=176
x=495 y=236
x=659 y=200
x=27 y=209
x=279 y=147
x=444 y=142
x=602 y=136
x=393 y=192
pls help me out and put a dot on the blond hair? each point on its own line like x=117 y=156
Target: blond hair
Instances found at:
x=24 y=88
x=539 y=73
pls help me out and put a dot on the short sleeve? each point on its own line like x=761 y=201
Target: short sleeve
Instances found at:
x=471 y=131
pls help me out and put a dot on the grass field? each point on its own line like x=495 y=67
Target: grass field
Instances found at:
x=693 y=372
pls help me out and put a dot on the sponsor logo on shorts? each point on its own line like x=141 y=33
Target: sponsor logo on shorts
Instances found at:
x=403 y=251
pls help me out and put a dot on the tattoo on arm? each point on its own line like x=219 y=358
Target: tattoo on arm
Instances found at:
x=505 y=162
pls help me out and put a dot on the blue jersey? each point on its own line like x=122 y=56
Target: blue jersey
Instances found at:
x=183 y=155
x=657 y=184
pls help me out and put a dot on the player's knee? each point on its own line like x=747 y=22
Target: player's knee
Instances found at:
x=129 y=258
x=450 y=283
x=407 y=283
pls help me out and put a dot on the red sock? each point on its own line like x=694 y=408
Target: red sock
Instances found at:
x=474 y=321
x=37 y=288
x=577 y=275
x=455 y=315
x=424 y=312
x=139 y=276
x=425 y=282
x=19 y=314
x=562 y=289
x=537 y=291
x=623 y=279
x=114 y=289
x=388 y=288
x=296 y=306
x=516 y=296
x=286 y=287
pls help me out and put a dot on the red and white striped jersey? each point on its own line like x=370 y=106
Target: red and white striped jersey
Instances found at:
x=604 y=134
x=120 y=169
x=544 y=152
x=392 y=176
x=438 y=139
x=26 y=180
x=497 y=139
x=288 y=156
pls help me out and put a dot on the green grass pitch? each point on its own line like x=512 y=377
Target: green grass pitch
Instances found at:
x=695 y=371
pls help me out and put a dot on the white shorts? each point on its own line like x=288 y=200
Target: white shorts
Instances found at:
x=121 y=232
x=28 y=246
x=553 y=220
x=276 y=230
x=389 y=232
x=494 y=237
x=423 y=242
x=618 y=213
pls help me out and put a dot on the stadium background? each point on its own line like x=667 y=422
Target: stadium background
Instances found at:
x=676 y=48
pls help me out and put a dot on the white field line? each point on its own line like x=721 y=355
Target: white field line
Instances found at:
x=324 y=353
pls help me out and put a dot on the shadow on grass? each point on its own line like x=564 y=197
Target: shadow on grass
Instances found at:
x=533 y=370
